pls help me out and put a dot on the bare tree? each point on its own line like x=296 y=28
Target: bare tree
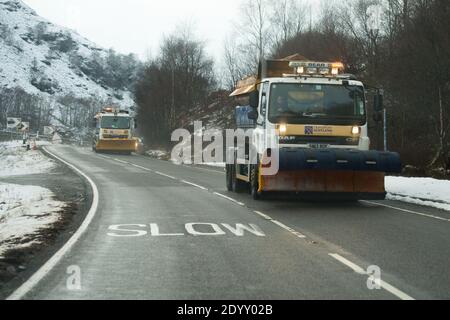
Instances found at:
x=254 y=30
x=235 y=64
x=288 y=18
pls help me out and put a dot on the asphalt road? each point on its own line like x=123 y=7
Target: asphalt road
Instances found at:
x=163 y=231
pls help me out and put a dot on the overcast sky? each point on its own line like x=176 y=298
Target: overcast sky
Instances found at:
x=138 y=26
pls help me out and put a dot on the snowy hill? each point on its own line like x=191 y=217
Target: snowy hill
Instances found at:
x=52 y=61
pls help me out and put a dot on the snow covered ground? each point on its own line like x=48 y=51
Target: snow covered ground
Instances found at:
x=25 y=211
x=158 y=154
x=423 y=191
x=16 y=160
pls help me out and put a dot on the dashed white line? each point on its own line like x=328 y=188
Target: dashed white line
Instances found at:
x=348 y=263
x=386 y=286
x=296 y=233
x=265 y=216
x=121 y=161
x=203 y=169
x=141 y=167
x=228 y=198
x=104 y=157
x=194 y=185
x=408 y=211
x=165 y=175
x=278 y=223
x=28 y=285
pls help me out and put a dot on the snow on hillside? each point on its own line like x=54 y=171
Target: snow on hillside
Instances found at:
x=21 y=54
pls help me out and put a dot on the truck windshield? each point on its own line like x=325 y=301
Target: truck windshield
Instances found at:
x=115 y=123
x=316 y=103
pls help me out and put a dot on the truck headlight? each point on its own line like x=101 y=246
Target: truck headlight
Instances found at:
x=283 y=129
x=356 y=130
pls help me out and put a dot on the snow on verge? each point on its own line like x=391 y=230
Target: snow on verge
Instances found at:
x=423 y=191
x=25 y=211
x=16 y=160
x=158 y=154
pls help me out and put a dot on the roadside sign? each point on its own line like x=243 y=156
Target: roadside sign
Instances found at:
x=48 y=130
x=12 y=123
x=23 y=126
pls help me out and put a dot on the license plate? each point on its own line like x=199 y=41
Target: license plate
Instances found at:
x=318 y=146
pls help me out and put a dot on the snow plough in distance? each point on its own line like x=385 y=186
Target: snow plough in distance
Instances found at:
x=317 y=116
x=114 y=131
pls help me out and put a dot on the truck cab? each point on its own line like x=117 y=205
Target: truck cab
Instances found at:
x=312 y=113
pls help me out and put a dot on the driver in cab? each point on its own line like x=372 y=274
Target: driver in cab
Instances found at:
x=281 y=104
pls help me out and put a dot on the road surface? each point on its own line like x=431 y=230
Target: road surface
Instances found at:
x=163 y=231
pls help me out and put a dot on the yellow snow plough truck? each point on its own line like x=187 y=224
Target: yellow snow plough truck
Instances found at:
x=114 y=131
x=308 y=134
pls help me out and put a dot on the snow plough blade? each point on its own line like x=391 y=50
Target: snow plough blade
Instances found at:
x=116 y=145
x=353 y=173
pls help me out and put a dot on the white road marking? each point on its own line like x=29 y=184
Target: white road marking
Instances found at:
x=165 y=175
x=292 y=231
x=28 y=285
x=408 y=211
x=194 y=185
x=217 y=231
x=278 y=223
x=386 y=286
x=228 y=198
x=129 y=232
x=104 y=157
x=204 y=169
x=121 y=161
x=141 y=167
x=154 y=231
x=208 y=229
x=265 y=216
x=240 y=228
x=296 y=233
x=348 y=263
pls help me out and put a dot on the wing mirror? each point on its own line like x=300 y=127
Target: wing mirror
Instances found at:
x=378 y=103
x=253 y=114
x=254 y=99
